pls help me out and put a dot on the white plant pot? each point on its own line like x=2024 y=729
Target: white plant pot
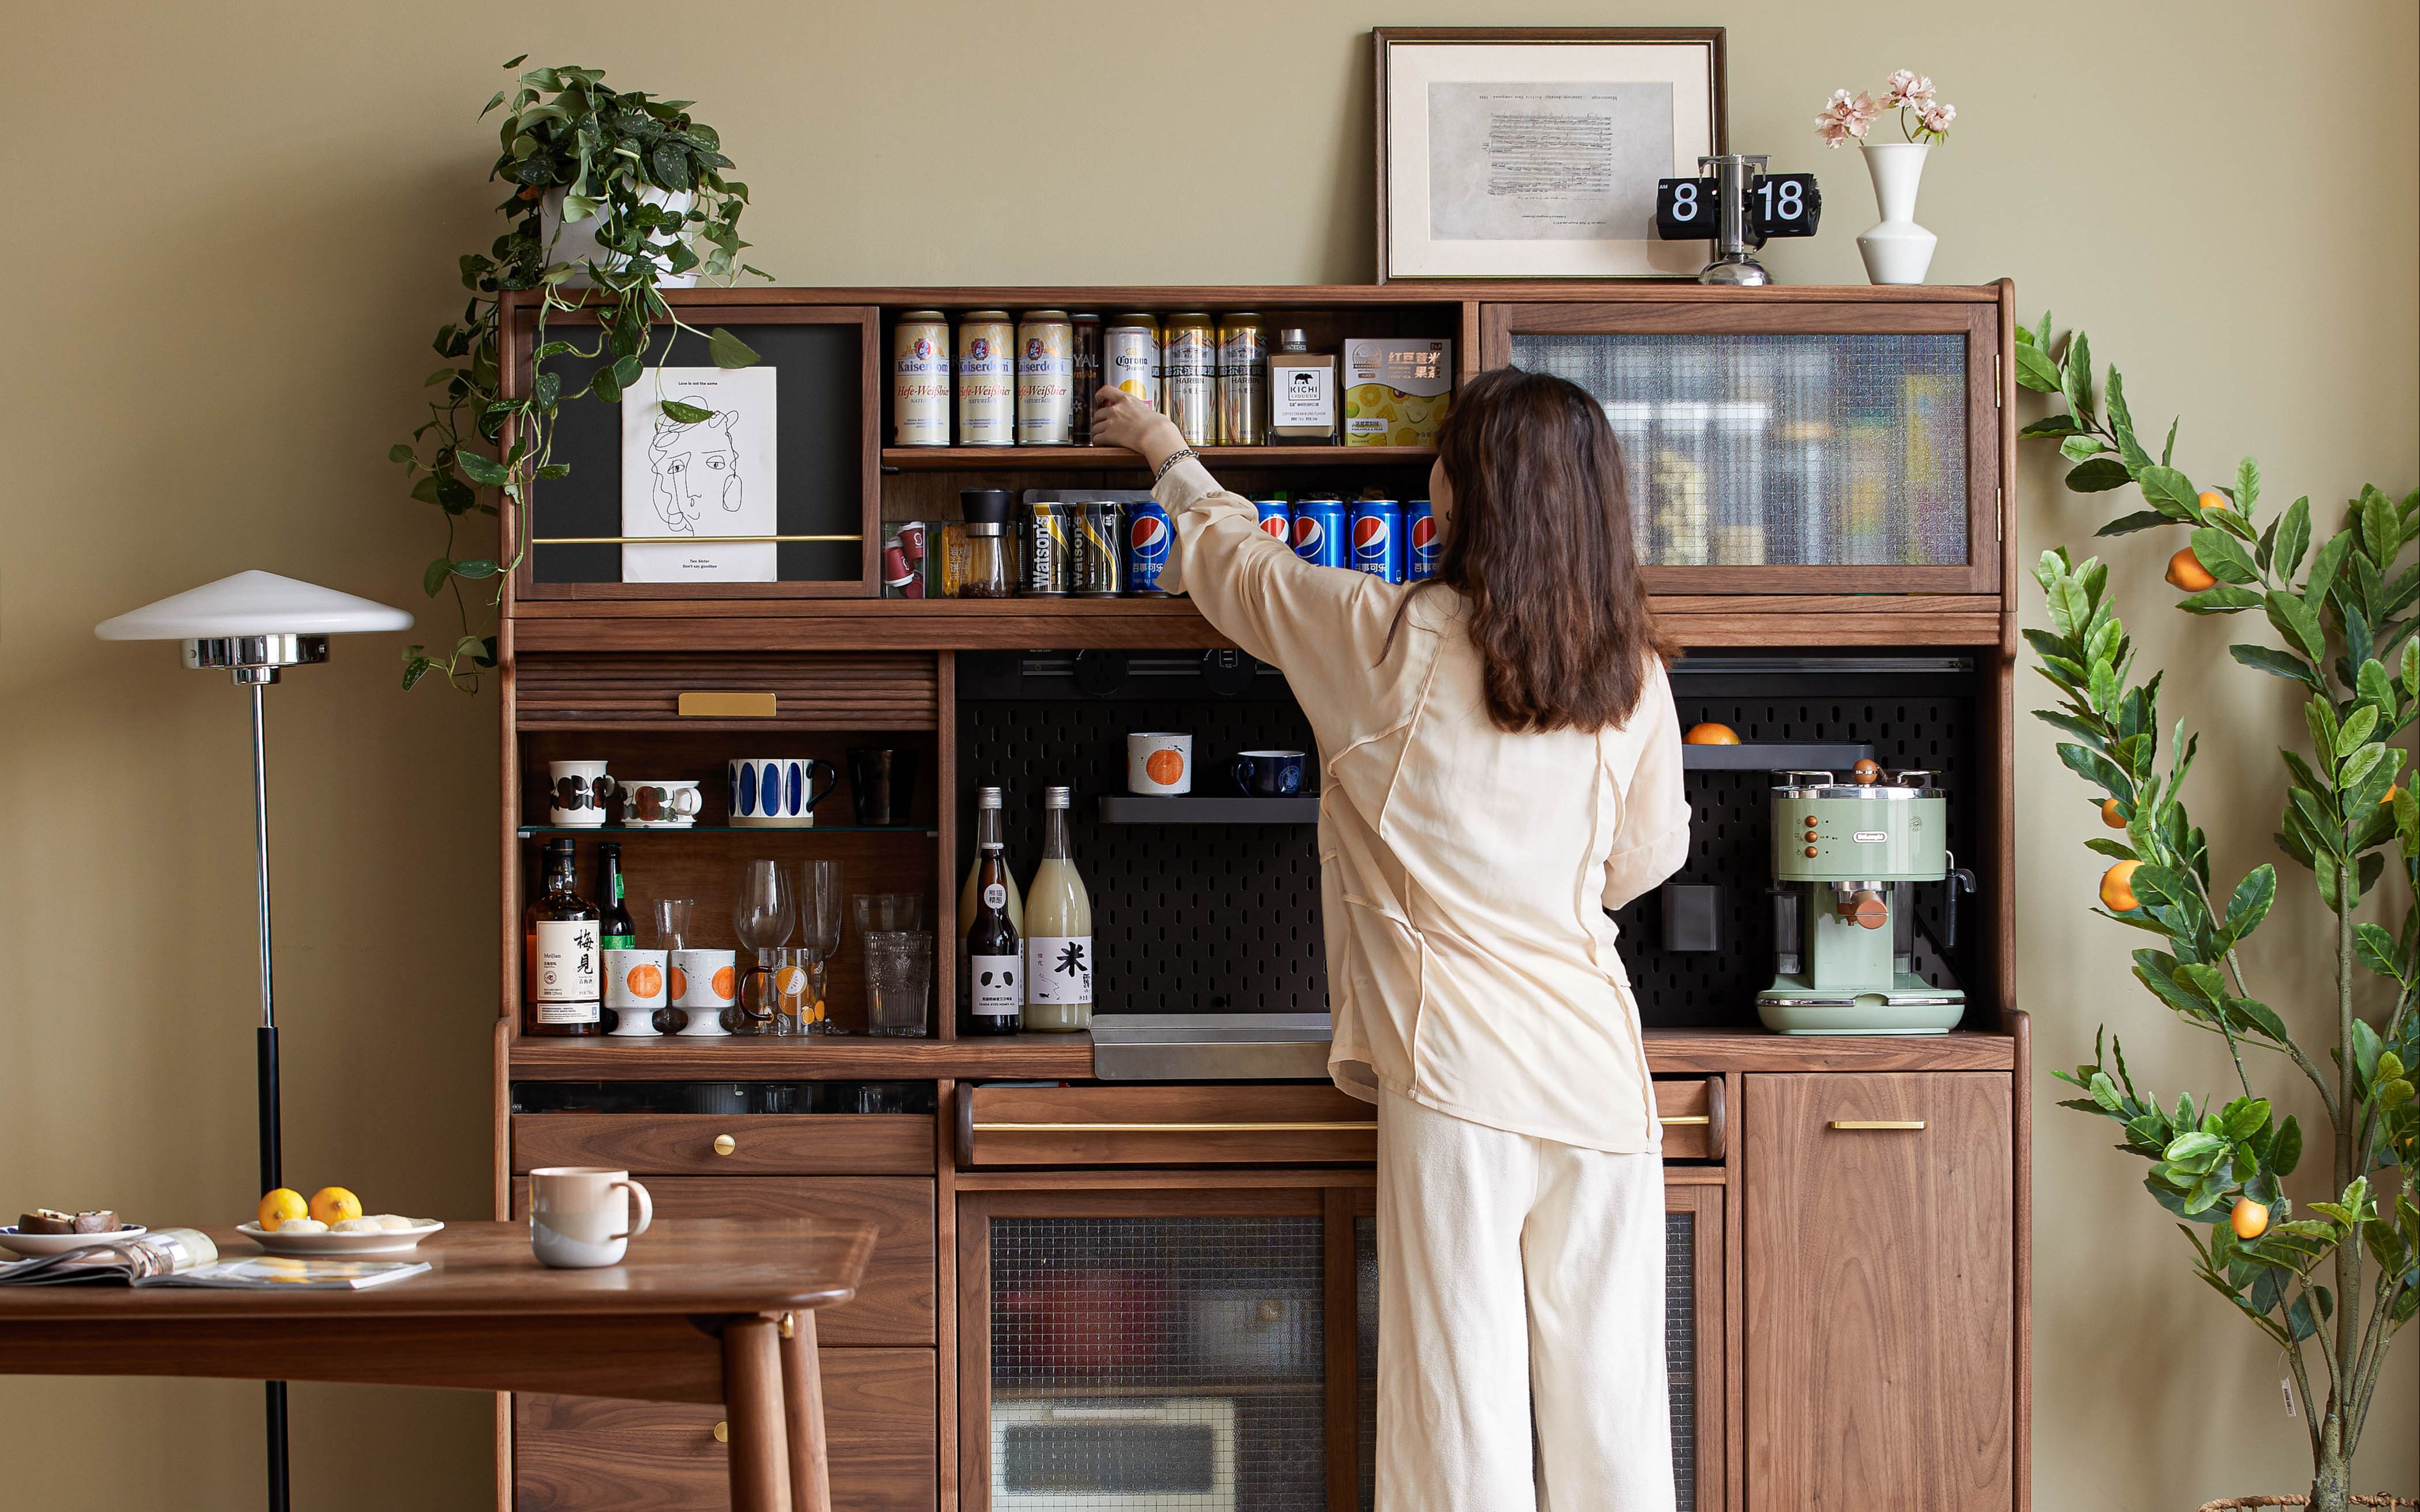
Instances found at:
x=577 y=243
x=1896 y=250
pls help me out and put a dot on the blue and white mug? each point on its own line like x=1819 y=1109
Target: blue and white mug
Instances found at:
x=1269 y=773
x=779 y=792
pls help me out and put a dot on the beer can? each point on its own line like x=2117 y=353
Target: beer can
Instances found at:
x=919 y=379
x=1276 y=517
x=1046 y=566
x=1084 y=358
x=1377 y=527
x=1130 y=357
x=1046 y=378
x=1096 y=568
x=1421 y=547
x=1243 y=380
x=986 y=379
x=1148 y=537
x=1319 y=531
x=1189 y=377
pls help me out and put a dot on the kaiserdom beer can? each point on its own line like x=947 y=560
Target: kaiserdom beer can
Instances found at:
x=1243 y=380
x=986 y=379
x=1046 y=375
x=1045 y=567
x=1084 y=359
x=1189 y=377
x=919 y=379
x=1130 y=357
x=1097 y=549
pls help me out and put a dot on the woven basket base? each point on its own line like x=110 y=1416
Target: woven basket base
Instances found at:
x=2299 y=1499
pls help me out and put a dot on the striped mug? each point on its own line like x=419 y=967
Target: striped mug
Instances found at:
x=779 y=792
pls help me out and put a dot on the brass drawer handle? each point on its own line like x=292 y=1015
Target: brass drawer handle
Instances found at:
x=723 y=1432
x=727 y=706
x=1669 y=1119
x=724 y=1143
x=1177 y=1128
x=1878 y=1123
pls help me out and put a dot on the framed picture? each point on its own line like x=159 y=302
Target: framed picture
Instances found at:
x=1533 y=152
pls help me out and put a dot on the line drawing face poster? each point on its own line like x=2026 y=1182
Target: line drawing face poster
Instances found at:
x=702 y=480
x=1530 y=161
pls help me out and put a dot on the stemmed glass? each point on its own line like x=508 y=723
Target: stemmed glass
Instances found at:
x=764 y=910
x=819 y=921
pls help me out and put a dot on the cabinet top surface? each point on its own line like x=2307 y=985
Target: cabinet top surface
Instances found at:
x=1413 y=291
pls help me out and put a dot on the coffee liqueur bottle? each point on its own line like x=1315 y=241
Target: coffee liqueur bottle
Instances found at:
x=1058 y=931
x=1302 y=392
x=561 y=946
x=995 y=965
x=988 y=832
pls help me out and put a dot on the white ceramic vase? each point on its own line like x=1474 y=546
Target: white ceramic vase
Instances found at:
x=577 y=245
x=1896 y=250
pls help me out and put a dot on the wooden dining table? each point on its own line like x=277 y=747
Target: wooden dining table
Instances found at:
x=714 y=1310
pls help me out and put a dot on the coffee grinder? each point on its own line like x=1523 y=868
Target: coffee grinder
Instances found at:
x=1846 y=859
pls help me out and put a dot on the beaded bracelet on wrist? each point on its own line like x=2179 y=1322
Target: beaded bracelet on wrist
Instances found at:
x=1173 y=457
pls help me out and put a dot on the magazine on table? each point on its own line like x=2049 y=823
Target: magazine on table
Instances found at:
x=189 y=1257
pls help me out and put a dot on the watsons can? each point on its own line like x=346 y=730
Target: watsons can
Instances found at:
x=986 y=379
x=1130 y=357
x=919 y=379
x=1189 y=377
x=1096 y=568
x=1046 y=375
x=1046 y=570
x=1243 y=380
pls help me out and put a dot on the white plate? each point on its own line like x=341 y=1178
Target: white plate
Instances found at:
x=333 y=1245
x=33 y=1246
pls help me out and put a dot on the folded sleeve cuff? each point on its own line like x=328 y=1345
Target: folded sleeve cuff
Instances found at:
x=1635 y=869
x=1186 y=484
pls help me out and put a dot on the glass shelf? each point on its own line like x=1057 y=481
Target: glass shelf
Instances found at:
x=627 y=832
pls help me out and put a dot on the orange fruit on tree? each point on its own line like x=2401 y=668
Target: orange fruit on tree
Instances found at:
x=1710 y=734
x=2117 y=888
x=2109 y=814
x=2212 y=499
x=332 y=1205
x=281 y=1205
x=2185 y=571
x=2249 y=1218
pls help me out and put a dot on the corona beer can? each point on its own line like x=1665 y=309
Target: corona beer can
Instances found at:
x=1098 y=542
x=1046 y=566
x=1189 y=377
x=1243 y=380
x=919 y=379
x=1084 y=359
x=1046 y=378
x=1130 y=357
x=986 y=379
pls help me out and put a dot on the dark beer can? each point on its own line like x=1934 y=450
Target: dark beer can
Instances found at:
x=1085 y=353
x=1047 y=565
x=1099 y=566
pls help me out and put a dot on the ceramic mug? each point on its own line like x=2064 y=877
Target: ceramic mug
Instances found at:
x=1159 y=763
x=580 y=1215
x=635 y=987
x=779 y=792
x=661 y=805
x=575 y=794
x=704 y=983
x=1269 y=773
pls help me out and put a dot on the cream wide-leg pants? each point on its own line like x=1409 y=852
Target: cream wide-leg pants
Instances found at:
x=1517 y=1275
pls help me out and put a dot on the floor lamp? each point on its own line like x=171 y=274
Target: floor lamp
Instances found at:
x=255 y=624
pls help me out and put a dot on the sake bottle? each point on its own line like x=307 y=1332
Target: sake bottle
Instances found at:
x=1058 y=932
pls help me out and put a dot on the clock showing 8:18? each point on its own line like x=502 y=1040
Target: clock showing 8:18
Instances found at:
x=1778 y=205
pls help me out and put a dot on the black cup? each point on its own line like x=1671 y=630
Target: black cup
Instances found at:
x=1269 y=773
x=882 y=784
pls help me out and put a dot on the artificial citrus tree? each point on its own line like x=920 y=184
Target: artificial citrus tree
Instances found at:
x=2331 y=1284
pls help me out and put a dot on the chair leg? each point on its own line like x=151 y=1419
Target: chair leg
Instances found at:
x=802 y=1396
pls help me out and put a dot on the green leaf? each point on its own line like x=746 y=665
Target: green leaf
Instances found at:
x=2250 y=903
x=604 y=386
x=2220 y=600
x=2355 y=729
x=2247 y=485
x=516 y=60
x=2170 y=492
x=2293 y=538
x=2081 y=447
x=2376 y=949
x=2286 y=1151
x=2129 y=524
x=481 y=470
x=2075 y=375
x=2277 y=664
x=2323 y=569
x=555 y=470
x=546 y=389
x=729 y=350
x=2035 y=371
x=627 y=371
x=687 y=414
x=2053 y=426
x=2297 y=621
x=2099 y=475
x=432 y=577
x=2381 y=531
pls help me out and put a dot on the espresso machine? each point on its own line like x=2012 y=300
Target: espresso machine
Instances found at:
x=1846 y=859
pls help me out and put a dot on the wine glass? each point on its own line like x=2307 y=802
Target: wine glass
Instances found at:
x=820 y=921
x=764 y=910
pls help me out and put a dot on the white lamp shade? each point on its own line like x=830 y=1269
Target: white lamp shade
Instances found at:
x=252 y=604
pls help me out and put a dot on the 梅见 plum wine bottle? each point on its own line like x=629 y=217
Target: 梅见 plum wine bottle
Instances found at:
x=562 y=951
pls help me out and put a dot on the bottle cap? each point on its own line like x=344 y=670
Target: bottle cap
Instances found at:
x=992 y=845
x=1051 y=798
x=1293 y=340
x=987 y=797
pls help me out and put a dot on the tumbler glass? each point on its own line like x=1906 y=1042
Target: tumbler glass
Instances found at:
x=898 y=981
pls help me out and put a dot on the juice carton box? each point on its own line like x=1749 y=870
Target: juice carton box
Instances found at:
x=1396 y=389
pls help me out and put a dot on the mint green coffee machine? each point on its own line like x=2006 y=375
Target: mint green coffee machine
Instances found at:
x=1846 y=859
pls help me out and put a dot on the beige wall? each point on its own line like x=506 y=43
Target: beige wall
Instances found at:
x=251 y=213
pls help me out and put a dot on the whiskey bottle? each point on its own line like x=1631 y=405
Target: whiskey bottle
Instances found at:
x=561 y=946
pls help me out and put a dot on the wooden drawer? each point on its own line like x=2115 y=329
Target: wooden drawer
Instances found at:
x=1227 y=1123
x=588 y=1454
x=894 y=1301
x=703 y=1144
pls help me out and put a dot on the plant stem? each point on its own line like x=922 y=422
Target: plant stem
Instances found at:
x=2348 y=1255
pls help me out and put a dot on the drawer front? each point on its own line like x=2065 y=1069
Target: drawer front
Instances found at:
x=588 y=1454
x=1696 y=1125
x=894 y=1301
x=699 y=1144
x=773 y=690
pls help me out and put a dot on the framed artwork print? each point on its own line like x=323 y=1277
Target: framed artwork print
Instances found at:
x=1533 y=152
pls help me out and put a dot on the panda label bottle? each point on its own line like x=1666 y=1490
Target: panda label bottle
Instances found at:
x=995 y=965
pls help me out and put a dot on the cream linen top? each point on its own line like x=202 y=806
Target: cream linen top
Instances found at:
x=1463 y=872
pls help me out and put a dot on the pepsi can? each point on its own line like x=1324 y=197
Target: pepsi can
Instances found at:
x=1148 y=533
x=1421 y=548
x=1276 y=517
x=1319 y=531
x=1379 y=538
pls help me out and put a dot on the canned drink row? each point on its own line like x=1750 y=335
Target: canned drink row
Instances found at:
x=1384 y=537
x=1029 y=381
x=1095 y=548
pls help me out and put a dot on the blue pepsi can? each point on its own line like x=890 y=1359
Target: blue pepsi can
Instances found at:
x=1148 y=533
x=1319 y=531
x=1276 y=517
x=1420 y=549
x=1379 y=538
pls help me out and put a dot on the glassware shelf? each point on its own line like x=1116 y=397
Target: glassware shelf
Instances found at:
x=626 y=831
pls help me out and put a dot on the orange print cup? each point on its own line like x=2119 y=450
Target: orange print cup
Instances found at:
x=1159 y=763
x=637 y=984
x=703 y=984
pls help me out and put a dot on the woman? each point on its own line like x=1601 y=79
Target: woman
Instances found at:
x=1500 y=764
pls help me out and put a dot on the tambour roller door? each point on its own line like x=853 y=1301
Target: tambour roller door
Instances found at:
x=768 y=690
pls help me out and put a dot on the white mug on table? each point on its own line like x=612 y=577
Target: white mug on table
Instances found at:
x=580 y=1215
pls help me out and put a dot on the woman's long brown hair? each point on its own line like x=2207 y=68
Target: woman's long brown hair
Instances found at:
x=1540 y=545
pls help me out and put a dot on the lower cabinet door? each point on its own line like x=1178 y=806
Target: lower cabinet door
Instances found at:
x=1879 y=1251
x=588 y=1453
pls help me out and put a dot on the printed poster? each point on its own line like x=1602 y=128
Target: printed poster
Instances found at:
x=700 y=482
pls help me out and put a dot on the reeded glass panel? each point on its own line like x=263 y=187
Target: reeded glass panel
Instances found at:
x=1173 y=1364
x=1804 y=450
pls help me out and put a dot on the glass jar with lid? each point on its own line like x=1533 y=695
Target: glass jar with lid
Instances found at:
x=988 y=572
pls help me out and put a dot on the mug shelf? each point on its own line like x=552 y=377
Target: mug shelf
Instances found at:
x=1136 y=809
x=626 y=832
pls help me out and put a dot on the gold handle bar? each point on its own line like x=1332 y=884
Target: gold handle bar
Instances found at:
x=1177 y=1128
x=682 y=540
x=1878 y=1123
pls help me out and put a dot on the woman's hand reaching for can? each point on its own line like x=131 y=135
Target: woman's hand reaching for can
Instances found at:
x=1120 y=419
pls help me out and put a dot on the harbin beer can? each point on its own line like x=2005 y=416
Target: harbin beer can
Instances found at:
x=1130 y=357
x=1046 y=375
x=1047 y=567
x=1097 y=549
x=1243 y=380
x=919 y=379
x=986 y=379
x=1189 y=377
x=1084 y=358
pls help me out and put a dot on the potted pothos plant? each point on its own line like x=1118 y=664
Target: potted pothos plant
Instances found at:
x=641 y=180
x=2332 y=1282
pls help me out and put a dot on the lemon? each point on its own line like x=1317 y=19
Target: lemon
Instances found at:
x=280 y=1205
x=332 y=1205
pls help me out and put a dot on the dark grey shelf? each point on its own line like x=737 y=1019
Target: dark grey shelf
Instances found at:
x=1834 y=756
x=1129 y=809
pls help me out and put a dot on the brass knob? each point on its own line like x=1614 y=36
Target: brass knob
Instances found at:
x=724 y=1143
x=1866 y=772
x=722 y=1433
x=1812 y=852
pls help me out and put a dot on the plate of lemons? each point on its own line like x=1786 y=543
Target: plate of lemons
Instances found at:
x=332 y=1225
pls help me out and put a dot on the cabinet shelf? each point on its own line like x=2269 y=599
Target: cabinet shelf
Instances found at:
x=811 y=1057
x=1833 y=756
x=1133 y=809
x=1029 y=458
x=644 y=832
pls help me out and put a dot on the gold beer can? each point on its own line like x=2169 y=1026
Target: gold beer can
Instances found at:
x=1189 y=377
x=986 y=379
x=919 y=379
x=1046 y=378
x=1130 y=357
x=1243 y=380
